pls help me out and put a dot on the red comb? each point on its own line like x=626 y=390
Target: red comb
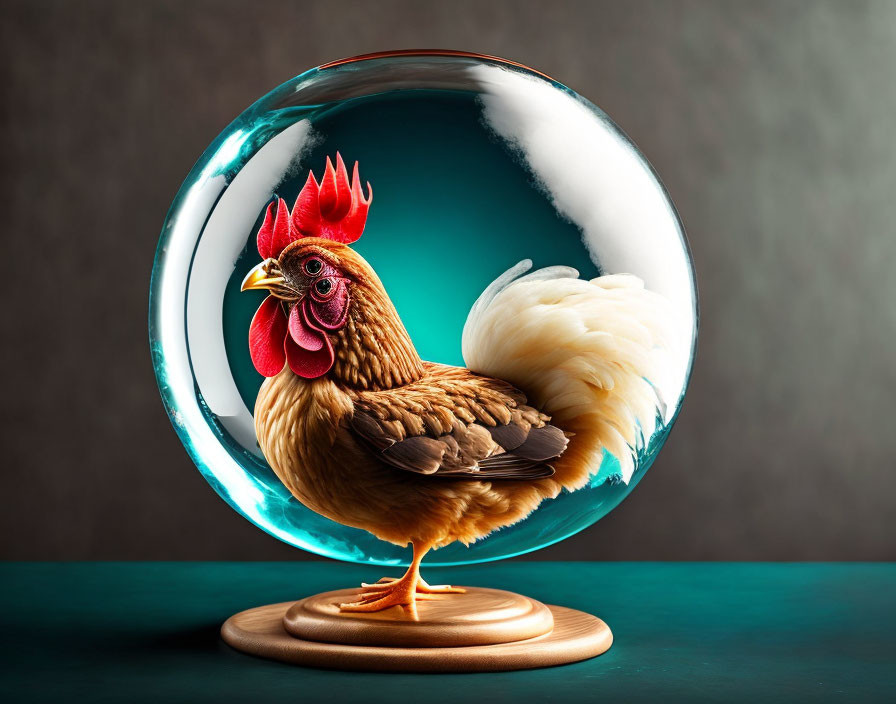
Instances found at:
x=334 y=210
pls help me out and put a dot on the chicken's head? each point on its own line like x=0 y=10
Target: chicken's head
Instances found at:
x=313 y=277
x=310 y=290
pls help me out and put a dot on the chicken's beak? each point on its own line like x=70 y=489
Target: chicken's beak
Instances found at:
x=263 y=277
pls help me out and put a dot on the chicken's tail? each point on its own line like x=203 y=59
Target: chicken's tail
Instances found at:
x=589 y=353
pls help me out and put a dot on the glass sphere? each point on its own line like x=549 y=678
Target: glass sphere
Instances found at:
x=476 y=164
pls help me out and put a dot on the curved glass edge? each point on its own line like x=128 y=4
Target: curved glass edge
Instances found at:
x=271 y=101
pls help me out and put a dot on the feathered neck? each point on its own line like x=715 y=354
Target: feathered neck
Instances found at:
x=373 y=350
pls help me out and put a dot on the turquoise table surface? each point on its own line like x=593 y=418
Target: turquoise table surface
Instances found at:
x=134 y=632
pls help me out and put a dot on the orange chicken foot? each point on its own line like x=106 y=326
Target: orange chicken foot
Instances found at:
x=422 y=586
x=404 y=591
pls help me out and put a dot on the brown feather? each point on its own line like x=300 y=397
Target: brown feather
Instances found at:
x=368 y=444
x=430 y=437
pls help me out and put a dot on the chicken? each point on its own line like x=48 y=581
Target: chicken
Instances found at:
x=364 y=432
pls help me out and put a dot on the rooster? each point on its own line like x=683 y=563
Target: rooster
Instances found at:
x=364 y=432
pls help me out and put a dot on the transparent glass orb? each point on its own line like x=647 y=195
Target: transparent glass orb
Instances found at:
x=476 y=164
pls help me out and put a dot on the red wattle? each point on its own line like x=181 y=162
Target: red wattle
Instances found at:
x=266 y=333
x=305 y=336
x=308 y=350
x=308 y=365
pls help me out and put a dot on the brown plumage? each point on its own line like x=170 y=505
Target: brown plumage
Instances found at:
x=410 y=451
x=361 y=430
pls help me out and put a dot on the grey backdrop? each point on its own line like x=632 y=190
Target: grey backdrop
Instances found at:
x=771 y=123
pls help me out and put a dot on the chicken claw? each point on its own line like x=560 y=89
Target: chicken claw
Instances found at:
x=400 y=592
x=422 y=586
x=405 y=591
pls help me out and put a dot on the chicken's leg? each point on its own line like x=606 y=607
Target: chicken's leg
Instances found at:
x=399 y=592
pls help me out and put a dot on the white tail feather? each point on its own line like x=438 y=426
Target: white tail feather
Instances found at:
x=589 y=353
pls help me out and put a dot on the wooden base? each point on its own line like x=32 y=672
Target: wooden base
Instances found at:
x=484 y=630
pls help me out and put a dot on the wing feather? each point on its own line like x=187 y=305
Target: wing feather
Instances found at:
x=459 y=425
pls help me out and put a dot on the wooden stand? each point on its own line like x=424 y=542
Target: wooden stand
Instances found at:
x=484 y=630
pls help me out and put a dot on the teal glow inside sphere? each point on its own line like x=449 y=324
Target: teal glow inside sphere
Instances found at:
x=476 y=164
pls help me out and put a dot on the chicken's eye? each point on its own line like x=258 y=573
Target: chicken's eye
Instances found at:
x=313 y=266
x=323 y=287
